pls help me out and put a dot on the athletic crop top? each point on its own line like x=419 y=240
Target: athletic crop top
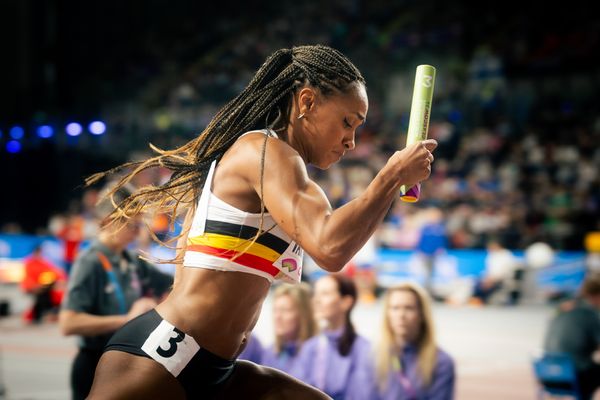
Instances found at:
x=221 y=237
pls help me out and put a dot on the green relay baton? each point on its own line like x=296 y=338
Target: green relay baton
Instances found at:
x=418 y=123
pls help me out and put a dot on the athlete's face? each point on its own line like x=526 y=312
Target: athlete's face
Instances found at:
x=286 y=318
x=332 y=122
x=404 y=315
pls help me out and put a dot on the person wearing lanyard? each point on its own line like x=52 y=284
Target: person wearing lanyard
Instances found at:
x=338 y=360
x=109 y=285
x=408 y=363
x=293 y=322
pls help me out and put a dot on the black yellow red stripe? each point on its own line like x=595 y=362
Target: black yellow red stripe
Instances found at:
x=245 y=259
x=246 y=232
x=225 y=242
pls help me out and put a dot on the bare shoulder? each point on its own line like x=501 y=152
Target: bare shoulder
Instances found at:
x=238 y=175
x=246 y=156
x=253 y=143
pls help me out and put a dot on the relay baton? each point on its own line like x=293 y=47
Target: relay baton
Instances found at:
x=418 y=123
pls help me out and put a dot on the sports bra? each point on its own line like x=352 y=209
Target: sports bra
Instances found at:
x=221 y=235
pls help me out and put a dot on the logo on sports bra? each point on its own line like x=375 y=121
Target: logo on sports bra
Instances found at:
x=290 y=264
x=297 y=249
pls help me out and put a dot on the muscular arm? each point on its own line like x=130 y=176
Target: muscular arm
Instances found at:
x=301 y=208
x=330 y=237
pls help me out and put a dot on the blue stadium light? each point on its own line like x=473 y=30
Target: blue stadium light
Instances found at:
x=74 y=129
x=17 y=132
x=97 y=128
x=45 y=131
x=13 y=146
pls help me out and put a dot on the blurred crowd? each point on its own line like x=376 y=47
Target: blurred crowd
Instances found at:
x=515 y=113
x=515 y=110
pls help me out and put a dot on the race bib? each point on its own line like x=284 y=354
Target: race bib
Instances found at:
x=170 y=347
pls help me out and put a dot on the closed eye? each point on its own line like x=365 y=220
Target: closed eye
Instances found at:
x=347 y=124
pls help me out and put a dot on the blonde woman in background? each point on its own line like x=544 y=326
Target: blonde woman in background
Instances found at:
x=408 y=363
x=293 y=322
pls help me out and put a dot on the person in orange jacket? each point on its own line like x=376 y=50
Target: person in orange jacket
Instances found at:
x=45 y=282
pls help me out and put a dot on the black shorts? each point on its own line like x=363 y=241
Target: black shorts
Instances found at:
x=199 y=371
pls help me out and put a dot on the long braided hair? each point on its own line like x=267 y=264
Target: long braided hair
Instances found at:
x=265 y=103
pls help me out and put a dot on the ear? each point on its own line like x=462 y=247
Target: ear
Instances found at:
x=306 y=100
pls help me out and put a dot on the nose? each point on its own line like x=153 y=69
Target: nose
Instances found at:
x=349 y=143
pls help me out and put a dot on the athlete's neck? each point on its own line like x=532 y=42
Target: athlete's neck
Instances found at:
x=297 y=141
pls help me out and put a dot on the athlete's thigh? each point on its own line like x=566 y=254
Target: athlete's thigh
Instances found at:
x=251 y=381
x=121 y=375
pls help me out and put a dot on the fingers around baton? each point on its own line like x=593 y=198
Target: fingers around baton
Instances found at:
x=429 y=144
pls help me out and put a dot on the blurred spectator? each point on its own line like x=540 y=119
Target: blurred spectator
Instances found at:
x=576 y=331
x=432 y=242
x=11 y=228
x=592 y=245
x=109 y=286
x=338 y=360
x=89 y=200
x=45 y=282
x=71 y=234
x=293 y=322
x=500 y=267
x=362 y=268
x=160 y=226
x=409 y=365
x=253 y=350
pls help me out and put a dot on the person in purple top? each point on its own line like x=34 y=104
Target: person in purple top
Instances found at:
x=293 y=322
x=253 y=350
x=408 y=363
x=337 y=361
